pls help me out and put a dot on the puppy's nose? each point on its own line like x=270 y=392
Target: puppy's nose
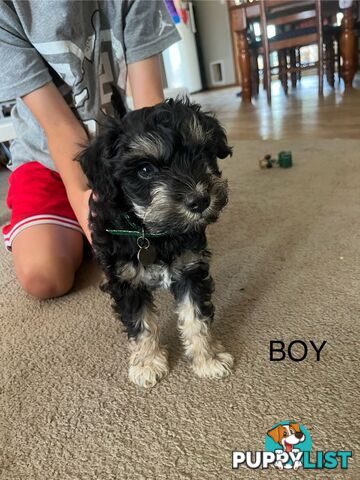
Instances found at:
x=299 y=435
x=197 y=203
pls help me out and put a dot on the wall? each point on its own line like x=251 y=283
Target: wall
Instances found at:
x=212 y=22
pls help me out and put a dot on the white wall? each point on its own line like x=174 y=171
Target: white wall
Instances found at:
x=212 y=22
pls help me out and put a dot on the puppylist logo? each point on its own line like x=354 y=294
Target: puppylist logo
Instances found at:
x=288 y=446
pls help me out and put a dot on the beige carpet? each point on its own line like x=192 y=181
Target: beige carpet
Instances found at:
x=287 y=266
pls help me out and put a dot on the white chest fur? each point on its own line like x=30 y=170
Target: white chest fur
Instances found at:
x=158 y=275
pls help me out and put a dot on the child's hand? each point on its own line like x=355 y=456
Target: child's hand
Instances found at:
x=80 y=204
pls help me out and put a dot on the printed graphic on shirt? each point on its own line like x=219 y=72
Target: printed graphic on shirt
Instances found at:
x=88 y=71
x=163 y=24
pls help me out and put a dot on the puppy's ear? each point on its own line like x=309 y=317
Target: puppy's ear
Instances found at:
x=219 y=138
x=204 y=126
x=97 y=158
x=117 y=103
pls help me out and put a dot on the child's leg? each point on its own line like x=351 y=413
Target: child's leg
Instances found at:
x=46 y=258
x=43 y=233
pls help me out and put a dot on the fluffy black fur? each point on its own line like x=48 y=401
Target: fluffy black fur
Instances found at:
x=159 y=164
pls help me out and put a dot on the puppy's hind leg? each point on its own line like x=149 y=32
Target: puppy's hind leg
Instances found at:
x=195 y=310
x=148 y=360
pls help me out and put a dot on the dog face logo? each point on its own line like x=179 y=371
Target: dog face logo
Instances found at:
x=288 y=440
x=287 y=436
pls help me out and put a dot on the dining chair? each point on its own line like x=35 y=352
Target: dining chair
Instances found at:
x=292 y=14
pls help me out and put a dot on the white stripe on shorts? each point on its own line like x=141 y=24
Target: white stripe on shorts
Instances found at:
x=39 y=220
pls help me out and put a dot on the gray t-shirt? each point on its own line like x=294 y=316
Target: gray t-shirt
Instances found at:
x=83 y=47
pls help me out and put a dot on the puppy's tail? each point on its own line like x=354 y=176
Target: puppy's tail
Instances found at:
x=117 y=103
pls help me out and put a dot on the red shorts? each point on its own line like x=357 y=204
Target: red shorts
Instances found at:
x=37 y=196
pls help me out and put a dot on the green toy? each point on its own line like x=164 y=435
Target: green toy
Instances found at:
x=285 y=159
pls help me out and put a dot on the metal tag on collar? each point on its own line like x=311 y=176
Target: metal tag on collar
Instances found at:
x=147 y=253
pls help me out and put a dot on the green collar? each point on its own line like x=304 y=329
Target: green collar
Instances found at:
x=136 y=232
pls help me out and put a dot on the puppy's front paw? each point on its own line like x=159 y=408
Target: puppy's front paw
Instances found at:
x=146 y=374
x=218 y=366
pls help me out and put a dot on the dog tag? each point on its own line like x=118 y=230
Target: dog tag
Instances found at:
x=147 y=256
x=147 y=253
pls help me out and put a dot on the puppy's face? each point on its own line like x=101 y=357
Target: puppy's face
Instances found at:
x=172 y=181
x=163 y=160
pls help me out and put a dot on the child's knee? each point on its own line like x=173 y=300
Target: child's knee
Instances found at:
x=46 y=280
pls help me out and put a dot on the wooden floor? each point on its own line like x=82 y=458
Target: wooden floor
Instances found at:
x=300 y=113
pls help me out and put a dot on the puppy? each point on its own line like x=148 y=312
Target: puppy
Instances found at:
x=156 y=186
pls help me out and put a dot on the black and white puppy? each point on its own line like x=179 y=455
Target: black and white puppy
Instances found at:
x=155 y=172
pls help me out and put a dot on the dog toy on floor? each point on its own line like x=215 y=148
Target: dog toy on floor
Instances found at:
x=284 y=160
x=156 y=185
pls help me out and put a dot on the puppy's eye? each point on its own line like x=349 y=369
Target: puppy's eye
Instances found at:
x=285 y=434
x=147 y=171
